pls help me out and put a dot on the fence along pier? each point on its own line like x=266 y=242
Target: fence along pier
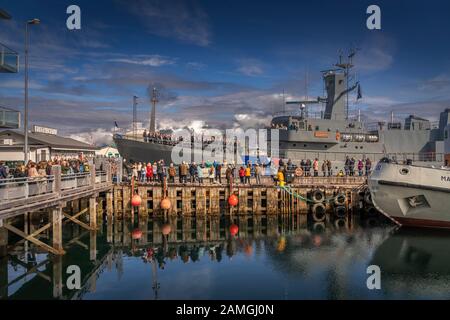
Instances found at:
x=48 y=196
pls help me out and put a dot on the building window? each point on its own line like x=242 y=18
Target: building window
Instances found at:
x=446 y=134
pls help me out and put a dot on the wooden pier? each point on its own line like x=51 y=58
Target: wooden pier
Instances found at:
x=211 y=199
x=23 y=198
x=87 y=198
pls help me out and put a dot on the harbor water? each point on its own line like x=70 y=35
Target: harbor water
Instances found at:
x=239 y=257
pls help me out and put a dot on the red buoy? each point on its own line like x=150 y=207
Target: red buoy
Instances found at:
x=165 y=204
x=233 y=200
x=136 y=234
x=234 y=229
x=136 y=200
x=166 y=229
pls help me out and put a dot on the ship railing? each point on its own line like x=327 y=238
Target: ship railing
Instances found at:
x=315 y=115
x=420 y=157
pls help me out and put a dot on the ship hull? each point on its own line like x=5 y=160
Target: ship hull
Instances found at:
x=411 y=195
x=139 y=151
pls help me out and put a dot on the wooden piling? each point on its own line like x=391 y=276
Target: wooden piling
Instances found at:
x=93 y=212
x=200 y=201
x=3 y=241
x=109 y=205
x=57 y=277
x=56 y=218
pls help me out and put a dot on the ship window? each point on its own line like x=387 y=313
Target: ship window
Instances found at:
x=294 y=145
x=305 y=145
x=325 y=146
x=317 y=127
x=356 y=147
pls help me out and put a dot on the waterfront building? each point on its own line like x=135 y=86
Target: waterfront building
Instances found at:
x=45 y=143
x=108 y=152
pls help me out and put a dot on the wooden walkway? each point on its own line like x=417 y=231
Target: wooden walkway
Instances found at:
x=52 y=193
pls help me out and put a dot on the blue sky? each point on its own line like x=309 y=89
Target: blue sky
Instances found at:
x=222 y=62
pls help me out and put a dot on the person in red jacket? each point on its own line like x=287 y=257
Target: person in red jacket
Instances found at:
x=149 y=172
x=242 y=174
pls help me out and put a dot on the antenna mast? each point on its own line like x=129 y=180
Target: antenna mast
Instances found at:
x=347 y=66
x=154 y=100
x=135 y=116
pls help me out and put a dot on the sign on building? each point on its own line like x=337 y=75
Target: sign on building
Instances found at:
x=46 y=130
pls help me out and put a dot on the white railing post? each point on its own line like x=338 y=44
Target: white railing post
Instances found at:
x=92 y=172
x=56 y=173
x=108 y=172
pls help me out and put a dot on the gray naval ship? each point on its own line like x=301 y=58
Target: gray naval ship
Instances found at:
x=329 y=135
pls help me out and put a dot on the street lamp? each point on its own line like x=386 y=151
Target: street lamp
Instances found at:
x=25 y=118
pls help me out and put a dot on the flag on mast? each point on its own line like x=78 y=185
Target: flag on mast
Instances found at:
x=359 y=92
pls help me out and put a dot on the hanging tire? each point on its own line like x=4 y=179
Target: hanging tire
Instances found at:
x=340 y=223
x=371 y=222
x=319 y=227
x=340 y=211
x=368 y=198
x=318 y=196
x=318 y=212
x=340 y=199
x=371 y=211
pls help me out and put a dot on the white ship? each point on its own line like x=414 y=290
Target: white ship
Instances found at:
x=412 y=195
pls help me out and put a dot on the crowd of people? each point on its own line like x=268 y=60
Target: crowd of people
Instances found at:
x=169 y=139
x=196 y=173
x=351 y=165
x=250 y=173
x=44 y=168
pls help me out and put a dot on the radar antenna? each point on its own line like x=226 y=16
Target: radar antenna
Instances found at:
x=347 y=66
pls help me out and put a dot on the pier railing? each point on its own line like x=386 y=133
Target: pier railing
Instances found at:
x=20 y=188
x=20 y=192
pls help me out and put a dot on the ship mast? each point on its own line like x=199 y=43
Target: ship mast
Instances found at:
x=135 y=116
x=154 y=100
x=347 y=66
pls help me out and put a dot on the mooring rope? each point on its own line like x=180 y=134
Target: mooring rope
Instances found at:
x=289 y=190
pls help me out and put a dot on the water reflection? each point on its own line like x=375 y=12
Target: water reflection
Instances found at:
x=212 y=257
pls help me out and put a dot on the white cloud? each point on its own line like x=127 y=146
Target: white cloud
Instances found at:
x=152 y=61
x=98 y=137
x=250 y=67
x=376 y=54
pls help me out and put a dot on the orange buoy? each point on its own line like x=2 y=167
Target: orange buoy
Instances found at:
x=166 y=229
x=165 y=204
x=317 y=240
x=136 y=200
x=136 y=234
x=233 y=200
x=234 y=229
